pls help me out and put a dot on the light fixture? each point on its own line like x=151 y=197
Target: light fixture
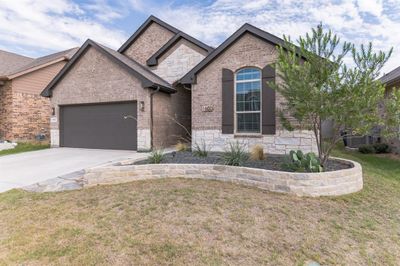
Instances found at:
x=141 y=106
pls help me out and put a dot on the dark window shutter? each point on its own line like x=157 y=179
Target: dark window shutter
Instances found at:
x=268 y=101
x=227 y=101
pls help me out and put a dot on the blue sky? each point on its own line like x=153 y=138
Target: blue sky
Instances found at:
x=38 y=27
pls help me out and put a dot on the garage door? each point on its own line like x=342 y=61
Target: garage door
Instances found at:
x=99 y=126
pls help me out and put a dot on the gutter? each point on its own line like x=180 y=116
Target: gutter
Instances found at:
x=151 y=116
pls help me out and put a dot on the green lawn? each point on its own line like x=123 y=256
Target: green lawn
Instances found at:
x=179 y=222
x=24 y=147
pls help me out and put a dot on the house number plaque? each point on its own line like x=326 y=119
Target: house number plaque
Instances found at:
x=207 y=108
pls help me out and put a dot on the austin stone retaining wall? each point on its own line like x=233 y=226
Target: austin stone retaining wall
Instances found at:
x=302 y=184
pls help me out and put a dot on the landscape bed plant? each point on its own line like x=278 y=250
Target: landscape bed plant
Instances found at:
x=235 y=155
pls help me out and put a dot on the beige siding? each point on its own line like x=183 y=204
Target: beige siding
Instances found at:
x=149 y=42
x=36 y=81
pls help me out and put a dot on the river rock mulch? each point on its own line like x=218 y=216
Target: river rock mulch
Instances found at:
x=271 y=161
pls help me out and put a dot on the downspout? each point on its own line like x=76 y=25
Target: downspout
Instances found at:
x=151 y=116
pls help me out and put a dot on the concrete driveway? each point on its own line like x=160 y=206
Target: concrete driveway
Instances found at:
x=20 y=170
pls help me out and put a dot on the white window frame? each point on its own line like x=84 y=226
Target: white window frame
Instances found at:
x=235 y=123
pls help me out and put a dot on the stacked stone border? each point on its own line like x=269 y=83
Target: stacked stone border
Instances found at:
x=333 y=183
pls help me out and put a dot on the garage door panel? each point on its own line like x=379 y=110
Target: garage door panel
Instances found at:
x=100 y=126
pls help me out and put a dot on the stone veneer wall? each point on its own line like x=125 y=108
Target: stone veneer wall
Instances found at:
x=179 y=60
x=149 y=42
x=96 y=79
x=282 y=143
x=303 y=184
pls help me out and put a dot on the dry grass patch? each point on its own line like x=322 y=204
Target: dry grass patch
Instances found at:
x=179 y=221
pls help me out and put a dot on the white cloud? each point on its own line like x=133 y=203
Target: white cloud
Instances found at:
x=104 y=11
x=356 y=21
x=374 y=7
x=52 y=25
x=60 y=24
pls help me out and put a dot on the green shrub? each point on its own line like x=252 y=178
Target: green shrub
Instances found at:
x=156 y=156
x=381 y=148
x=235 y=155
x=300 y=162
x=366 y=149
x=200 y=150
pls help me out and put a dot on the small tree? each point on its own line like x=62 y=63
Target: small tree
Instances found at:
x=318 y=85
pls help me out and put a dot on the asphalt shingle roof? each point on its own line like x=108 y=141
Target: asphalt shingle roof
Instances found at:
x=10 y=62
x=67 y=54
x=391 y=76
x=147 y=73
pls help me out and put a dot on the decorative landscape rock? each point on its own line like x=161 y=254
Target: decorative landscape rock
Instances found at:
x=7 y=145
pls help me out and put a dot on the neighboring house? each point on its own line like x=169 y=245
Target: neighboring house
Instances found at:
x=24 y=114
x=162 y=80
x=392 y=81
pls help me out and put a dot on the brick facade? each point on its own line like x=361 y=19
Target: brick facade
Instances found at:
x=6 y=110
x=96 y=79
x=23 y=116
x=247 y=51
x=149 y=42
x=168 y=110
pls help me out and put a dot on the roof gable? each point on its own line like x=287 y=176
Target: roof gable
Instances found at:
x=148 y=79
x=143 y=28
x=190 y=77
x=153 y=60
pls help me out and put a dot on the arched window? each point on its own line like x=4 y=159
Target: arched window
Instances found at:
x=248 y=100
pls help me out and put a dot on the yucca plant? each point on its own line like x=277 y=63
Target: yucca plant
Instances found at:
x=200 y=150
x=156 y=156
x=235 y=155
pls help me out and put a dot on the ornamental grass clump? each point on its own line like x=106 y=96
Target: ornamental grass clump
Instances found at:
x=180 y=146
x=235 y=155
x=257 y=153
x=156 y=156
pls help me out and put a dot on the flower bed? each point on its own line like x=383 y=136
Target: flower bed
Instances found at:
x=333 y=183
x=271 y=161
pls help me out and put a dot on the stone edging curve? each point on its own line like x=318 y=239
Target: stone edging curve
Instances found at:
x=332 y=183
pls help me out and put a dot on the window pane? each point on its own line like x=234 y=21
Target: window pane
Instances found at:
x=248 y=96
x=248 y=123
x=248 y=73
